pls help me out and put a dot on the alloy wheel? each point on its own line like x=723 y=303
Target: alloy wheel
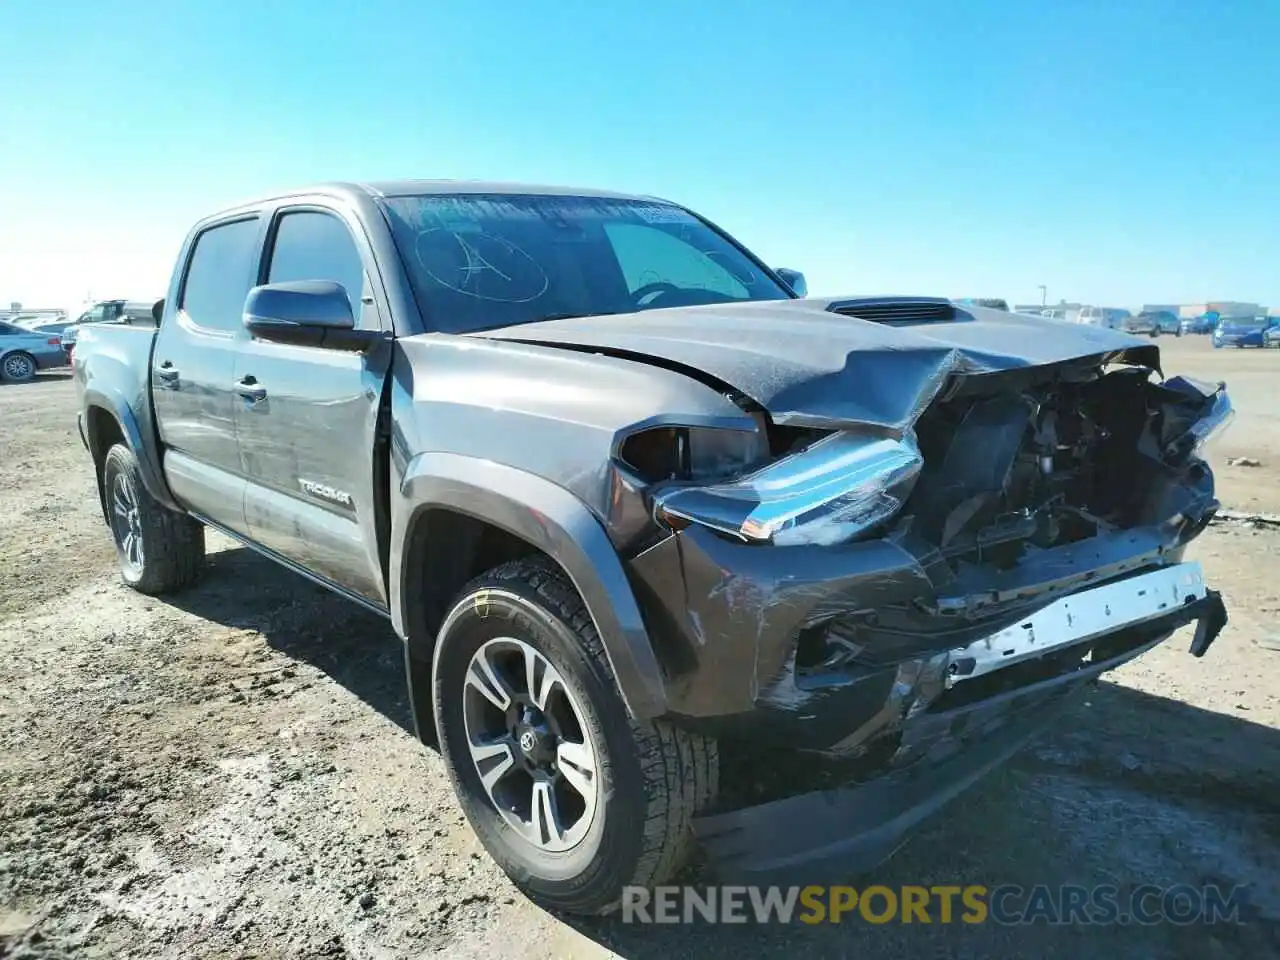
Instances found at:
x=126 y=524
x=528 y=742
x=18 y=367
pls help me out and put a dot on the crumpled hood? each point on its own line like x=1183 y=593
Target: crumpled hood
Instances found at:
x=808 y=366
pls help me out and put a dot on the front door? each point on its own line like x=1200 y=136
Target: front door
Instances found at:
x=307 y=417
x=193 y=366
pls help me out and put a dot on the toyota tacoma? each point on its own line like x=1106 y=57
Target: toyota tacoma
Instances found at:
x=681 y=558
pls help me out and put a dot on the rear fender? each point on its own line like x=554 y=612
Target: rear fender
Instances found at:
x=112 y=401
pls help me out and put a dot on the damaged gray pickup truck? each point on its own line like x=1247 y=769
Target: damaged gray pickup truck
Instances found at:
x=679 y=557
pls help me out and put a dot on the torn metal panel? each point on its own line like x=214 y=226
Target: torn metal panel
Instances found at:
x=730 y=613
x=1080 y=616
x=809 y=366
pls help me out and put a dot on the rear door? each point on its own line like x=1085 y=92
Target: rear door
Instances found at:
x=307 y=417
x=193 y=367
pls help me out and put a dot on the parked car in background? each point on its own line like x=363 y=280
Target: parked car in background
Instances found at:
x=1061 y=313
x=1241 y=332
x=728 y=532
x=29 y=321
x=991 y=303
x=1271 y=336
x=57 y=327
x=134 y=312
x=1144 y=324
x=1093 y=317
x=1164 y=321
x=1116 y=317
x=1205 y=323
x=1110 y=317
x=23 y=352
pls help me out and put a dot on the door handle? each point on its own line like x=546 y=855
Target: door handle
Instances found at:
x=167 y=371
x=250 y=389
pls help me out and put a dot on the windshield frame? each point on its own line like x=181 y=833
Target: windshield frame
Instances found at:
x=428 y=323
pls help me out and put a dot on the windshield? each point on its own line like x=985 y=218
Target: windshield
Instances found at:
x=484 y=261
x=1248 y=323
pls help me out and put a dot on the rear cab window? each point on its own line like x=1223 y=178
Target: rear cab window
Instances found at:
x=221 y=270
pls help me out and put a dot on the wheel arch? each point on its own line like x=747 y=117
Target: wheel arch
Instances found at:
x=108 y=419
x=456 y=514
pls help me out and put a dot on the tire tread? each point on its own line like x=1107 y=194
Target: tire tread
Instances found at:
x=173 y=542
x=680 y=768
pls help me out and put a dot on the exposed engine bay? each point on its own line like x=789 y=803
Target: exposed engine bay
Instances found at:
x=1089 y=452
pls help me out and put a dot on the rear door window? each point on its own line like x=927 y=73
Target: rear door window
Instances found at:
x=222 y=268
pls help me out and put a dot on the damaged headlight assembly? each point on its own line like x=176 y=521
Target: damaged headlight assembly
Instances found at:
x=1216 y=411
x=829 y=492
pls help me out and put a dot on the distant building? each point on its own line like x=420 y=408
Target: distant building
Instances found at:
x=1223 y=308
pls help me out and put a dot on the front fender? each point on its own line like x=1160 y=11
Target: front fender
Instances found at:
x=555 y=522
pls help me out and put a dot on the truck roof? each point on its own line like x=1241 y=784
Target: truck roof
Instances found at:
x=406 y=188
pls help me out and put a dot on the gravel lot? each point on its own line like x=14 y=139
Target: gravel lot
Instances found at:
x=230 y=773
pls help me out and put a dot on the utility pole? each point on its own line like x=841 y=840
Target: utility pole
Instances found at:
x=1044 y=294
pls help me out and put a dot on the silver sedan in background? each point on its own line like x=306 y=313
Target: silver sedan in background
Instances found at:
x=23 y=352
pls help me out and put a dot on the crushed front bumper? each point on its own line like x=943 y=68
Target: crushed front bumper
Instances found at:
x=731 y=623
x=830 y=835
x=929 y=703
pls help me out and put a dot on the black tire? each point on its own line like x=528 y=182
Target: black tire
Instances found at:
x=18 y=367
x=653 y=777
x=171 y=551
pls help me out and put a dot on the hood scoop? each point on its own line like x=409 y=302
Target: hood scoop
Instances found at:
x=894 y=311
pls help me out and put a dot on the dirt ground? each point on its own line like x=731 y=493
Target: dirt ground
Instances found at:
x=230 y=773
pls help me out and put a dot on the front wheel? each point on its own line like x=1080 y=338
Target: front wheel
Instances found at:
x=159 y=550
x=571 y=796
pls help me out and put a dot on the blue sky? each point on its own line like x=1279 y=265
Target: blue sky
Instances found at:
x=1118 y=152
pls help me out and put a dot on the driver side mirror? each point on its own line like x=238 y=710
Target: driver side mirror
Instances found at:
x=307 y=313
x=793 y=279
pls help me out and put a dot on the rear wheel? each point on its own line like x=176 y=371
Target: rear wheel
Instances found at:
x=573 y=798
x=19 y=367
x=159 y=549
